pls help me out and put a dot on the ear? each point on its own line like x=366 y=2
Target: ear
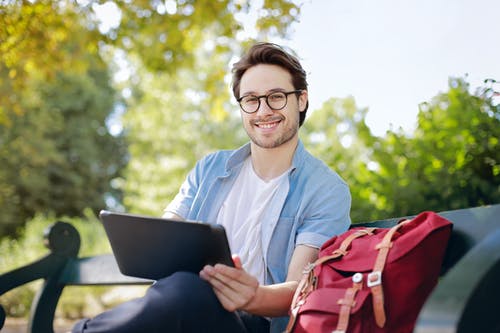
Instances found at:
x=303 y=98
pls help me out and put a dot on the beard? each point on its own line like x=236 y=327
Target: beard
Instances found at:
x=283 y=137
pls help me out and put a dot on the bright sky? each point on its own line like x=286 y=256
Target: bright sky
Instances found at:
x=392 y=55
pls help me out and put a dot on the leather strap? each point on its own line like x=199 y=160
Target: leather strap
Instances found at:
x=375 y=277
x=348 y=302
x=342 y=250
x=306 y=285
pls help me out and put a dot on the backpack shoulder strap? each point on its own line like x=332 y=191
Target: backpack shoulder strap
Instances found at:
x=374 y=281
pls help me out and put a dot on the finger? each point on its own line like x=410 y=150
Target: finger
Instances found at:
x=207 y=272
x=230 y=298
x=232 y=293
x=235 y=289
x=220 y=281
x=203 y=275
x=233 y=273
x=227 y=285
x=225 y=280
x=222 y=272
x=237 y=261
x=227 y=303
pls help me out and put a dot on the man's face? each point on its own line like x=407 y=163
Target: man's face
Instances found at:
x=269 y=128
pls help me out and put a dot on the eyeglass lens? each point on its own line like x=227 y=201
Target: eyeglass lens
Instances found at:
x=275 y=101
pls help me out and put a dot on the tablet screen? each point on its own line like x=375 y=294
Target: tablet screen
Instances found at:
x=153 y=247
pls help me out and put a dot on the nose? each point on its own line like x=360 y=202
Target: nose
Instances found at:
x=263 y=106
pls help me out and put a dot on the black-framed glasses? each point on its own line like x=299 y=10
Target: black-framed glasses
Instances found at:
x=276 y=101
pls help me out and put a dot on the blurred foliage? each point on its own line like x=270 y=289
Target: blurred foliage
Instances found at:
x=172 y=125
x=337 y=134
x=60 y=69
x=165 y=35
x=450 y=161
x=56 y=152
x=37 y=39
x=59 y=155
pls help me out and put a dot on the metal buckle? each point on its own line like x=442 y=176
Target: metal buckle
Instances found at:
x=374 y=279
x=357 y=278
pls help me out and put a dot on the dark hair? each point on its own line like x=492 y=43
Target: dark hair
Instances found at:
x=272 y=54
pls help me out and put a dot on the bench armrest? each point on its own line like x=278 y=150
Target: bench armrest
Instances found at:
x=63 y=241
x=467 y=298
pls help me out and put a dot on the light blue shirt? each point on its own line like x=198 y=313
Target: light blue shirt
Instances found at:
x=310 y=209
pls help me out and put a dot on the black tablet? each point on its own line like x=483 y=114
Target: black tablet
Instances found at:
x=153 y=248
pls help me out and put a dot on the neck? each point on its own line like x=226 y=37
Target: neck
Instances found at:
x=269 y=163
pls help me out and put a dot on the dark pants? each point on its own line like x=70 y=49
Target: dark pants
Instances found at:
x=180 y=303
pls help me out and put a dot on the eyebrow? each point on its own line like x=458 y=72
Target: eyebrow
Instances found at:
x=270 y=91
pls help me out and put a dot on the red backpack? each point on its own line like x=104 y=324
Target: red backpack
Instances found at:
x=371 y=279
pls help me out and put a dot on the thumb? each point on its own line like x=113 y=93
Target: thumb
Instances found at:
x=237 y=261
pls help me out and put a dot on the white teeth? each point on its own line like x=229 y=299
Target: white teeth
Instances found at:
x=266 y=125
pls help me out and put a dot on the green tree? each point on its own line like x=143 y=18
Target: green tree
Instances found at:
x=56 y=152
x=59 y=156
x=37 y=38
x=451 y=161
x=458 y=152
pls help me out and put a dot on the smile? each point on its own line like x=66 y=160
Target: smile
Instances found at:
x=268 y=125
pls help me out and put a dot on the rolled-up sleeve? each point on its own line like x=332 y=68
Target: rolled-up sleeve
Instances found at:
x=331 y=209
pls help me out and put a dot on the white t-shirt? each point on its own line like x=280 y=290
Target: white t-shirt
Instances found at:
x=241 y=213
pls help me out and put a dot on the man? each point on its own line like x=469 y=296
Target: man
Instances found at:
x=277 y=202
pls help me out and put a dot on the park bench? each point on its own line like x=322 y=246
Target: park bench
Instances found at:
x=466 y=299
